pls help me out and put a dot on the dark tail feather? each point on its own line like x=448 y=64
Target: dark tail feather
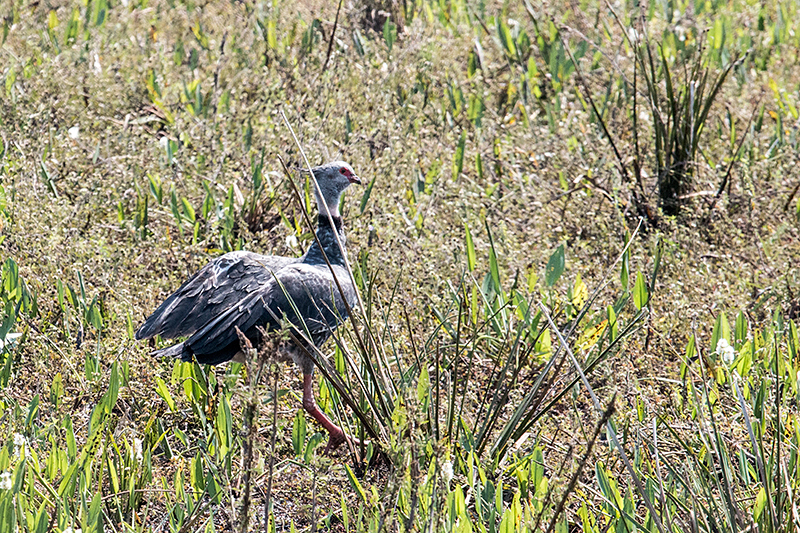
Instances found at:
x=184 y=353
x=177 y=351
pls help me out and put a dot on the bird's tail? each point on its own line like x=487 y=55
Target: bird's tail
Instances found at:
x=186 y=354
x=176 y=351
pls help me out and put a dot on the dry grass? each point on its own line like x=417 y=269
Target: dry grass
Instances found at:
x=740 y=254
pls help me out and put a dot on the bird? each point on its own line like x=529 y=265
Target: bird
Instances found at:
x=253 y=293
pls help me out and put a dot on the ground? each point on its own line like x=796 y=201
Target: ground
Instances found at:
x=143 y=139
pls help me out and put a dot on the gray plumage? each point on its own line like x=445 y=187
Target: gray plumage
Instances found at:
x=245 y=290
x=216 y=286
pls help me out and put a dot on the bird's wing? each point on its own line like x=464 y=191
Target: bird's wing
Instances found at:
x=211 y=292
x=313 y=294
x=303 y=294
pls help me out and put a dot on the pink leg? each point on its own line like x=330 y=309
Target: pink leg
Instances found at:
x=337 y=436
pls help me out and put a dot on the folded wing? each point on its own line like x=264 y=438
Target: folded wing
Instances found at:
x=304 y=295
x=214 y=291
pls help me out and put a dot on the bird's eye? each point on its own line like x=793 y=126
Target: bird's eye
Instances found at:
x=344 y=171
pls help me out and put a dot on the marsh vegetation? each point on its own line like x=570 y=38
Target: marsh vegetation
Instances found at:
x=576 y=246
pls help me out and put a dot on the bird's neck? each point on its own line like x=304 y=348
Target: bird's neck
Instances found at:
x=333 y=205
x=327 y=229
x=324 y=222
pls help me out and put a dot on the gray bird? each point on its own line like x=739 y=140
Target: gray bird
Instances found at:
x=249 y=291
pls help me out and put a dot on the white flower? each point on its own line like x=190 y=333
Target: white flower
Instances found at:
x=291 y=241
x=164 y=142
x=19 y=443
x=725 y=351
x=447 y=471
x=74 y=132
x=137 y=450
x=70 y=530
x=10 y=340
x=5 y=481
x=97 y=68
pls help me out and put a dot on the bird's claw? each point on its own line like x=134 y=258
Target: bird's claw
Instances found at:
x=336 y=439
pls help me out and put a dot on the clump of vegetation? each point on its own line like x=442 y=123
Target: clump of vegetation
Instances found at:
x=679 y=118
x=539 y=349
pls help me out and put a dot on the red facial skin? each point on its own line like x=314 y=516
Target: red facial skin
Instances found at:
x=349 y=175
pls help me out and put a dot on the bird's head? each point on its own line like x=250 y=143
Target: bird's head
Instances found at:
x=333 y=178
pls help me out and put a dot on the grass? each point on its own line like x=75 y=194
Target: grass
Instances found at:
x=139 y=141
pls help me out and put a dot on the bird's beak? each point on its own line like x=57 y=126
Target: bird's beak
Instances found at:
x=354 y=179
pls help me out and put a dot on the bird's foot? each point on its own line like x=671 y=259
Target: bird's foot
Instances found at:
x=336 y=439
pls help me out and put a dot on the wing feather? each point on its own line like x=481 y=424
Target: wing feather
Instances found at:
x=303 y=294
x=210 y=292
